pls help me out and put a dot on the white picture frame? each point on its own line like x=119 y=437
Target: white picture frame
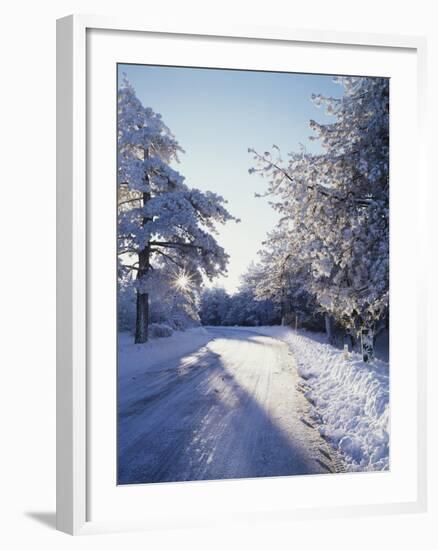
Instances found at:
x=74 y=397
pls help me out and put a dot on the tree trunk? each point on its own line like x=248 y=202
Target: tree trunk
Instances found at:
x=282 y=308
x=367 y=342
x=142 y=321
x=328 y=328
x=142 y=310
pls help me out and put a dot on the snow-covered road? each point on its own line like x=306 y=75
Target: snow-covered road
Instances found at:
x=229 y=410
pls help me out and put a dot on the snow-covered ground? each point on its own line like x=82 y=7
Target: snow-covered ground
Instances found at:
x=229 y=408
x=221 y=402
x=350 y=398
x=157 y=351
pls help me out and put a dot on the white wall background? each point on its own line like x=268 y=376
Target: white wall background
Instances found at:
x=27 y=218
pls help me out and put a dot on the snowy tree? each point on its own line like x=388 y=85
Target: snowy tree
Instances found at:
x=214 y=306
x=126 y=302
x=159 y=215
x=336 y=204
x=218 y=308
x=281 y=278
x=248 y=309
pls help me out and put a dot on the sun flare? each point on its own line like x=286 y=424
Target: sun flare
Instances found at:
x=182 y=281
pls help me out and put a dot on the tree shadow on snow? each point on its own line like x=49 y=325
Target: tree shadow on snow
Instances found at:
x=199 y=423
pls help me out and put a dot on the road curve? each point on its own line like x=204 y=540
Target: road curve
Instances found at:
x=230 y=410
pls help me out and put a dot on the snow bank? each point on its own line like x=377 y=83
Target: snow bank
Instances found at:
x=149 y=356
x=350 y=398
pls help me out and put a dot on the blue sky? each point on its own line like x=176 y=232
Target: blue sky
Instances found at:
x=216 y=114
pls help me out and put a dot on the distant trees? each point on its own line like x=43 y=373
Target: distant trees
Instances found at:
x=260 y=300
x=280 y=277
x=163 y=225
x=333 y=237
x=214 y=306
x=243 y=308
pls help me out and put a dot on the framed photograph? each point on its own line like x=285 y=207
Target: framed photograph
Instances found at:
x=241 y=221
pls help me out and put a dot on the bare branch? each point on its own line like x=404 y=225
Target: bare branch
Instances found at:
x=138 y=199
x=175 y=245
x=168 y=257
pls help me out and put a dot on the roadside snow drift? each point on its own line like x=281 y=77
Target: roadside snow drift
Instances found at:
x=350 y=398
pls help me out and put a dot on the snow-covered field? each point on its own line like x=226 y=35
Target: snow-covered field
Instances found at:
x=350 y=398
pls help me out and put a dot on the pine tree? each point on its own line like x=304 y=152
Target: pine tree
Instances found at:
x=159 y=215
x=335 y=205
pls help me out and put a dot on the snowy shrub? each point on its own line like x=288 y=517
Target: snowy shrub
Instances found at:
x=160 y=331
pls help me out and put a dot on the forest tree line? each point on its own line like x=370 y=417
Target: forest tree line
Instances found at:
x=332 y=241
